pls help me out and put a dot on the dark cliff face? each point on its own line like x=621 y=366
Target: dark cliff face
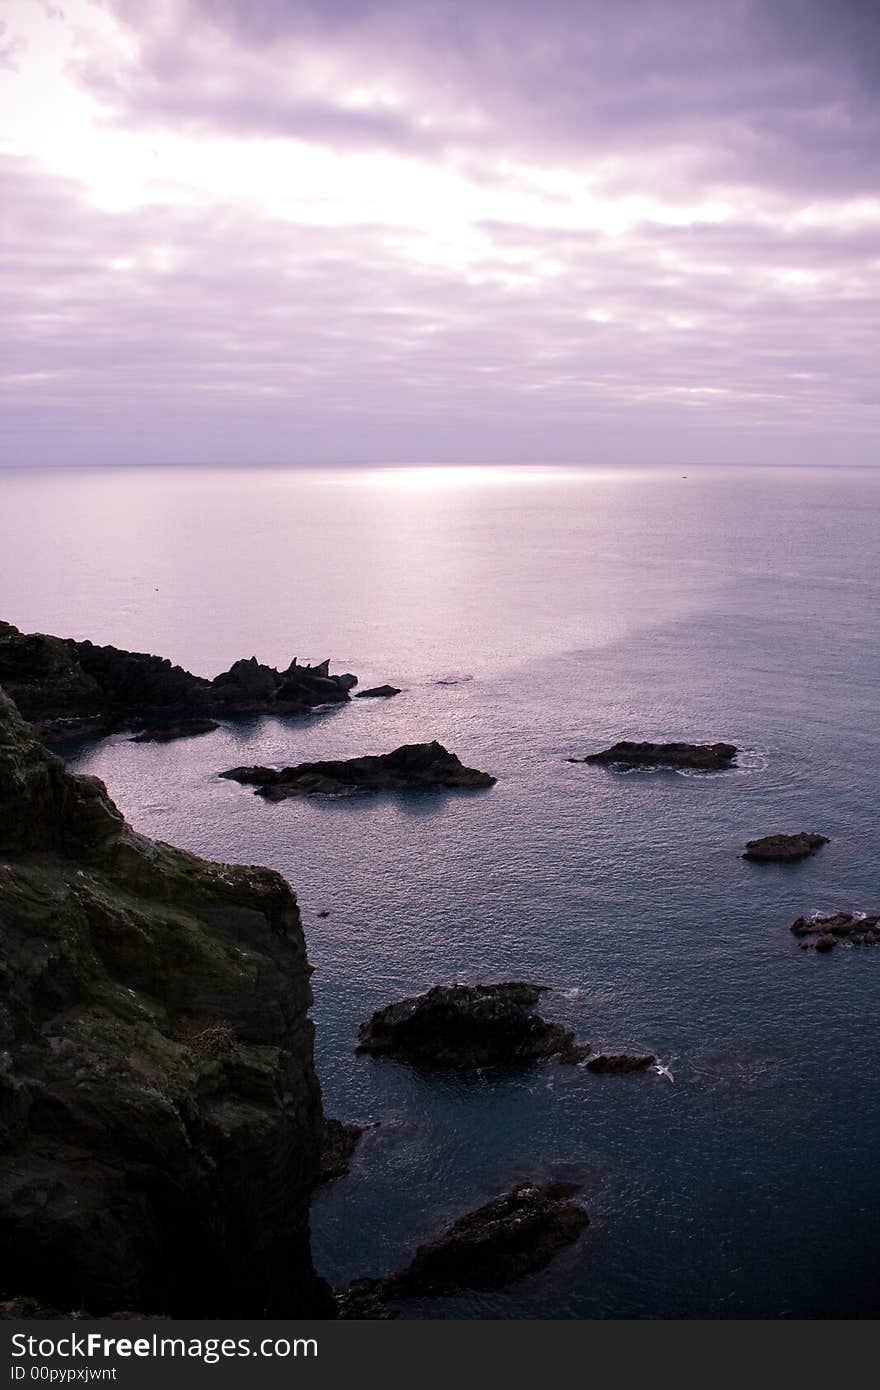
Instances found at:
x=160 y=1118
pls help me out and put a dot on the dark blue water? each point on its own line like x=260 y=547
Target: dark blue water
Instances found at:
x=581 y=607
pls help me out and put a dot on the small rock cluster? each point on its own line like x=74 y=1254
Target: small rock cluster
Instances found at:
x=825 y=930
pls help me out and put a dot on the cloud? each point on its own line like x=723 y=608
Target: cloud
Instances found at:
x=778 y=91
x=288 y=232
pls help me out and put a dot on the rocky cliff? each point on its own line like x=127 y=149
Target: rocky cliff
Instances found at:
x=160 y=1118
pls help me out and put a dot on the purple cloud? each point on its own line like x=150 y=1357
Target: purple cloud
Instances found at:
x=302 y=232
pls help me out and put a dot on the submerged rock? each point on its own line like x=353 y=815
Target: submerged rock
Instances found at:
x=621 y=1062
x=383 y=692
x=824 y=929
x=706 y=757
x=162 y=1121
x=783 y=849
x=78 y=689
x=499 y=1242
x=467 y=1026
x=165 y=733
x=413 y=765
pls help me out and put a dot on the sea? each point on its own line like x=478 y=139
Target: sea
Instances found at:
x=532 y=615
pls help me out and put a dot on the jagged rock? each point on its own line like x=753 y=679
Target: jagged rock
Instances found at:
x=620 y=1062
x=246 y=682
x=784 y=849
x=824 y=929
x=78 y=689
x=249 y=686
x=340 y=1139
x=706 y=757
x=501 y=1241
x=161 y=1117
x=413 y=765
x=378 y=692
x=165 y=733
x=313 y=685
x=468 y=1026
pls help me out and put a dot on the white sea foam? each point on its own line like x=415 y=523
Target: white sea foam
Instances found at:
x=752 y=760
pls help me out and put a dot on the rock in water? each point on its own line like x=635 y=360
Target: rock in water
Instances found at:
x=824 y=929
x=497 y=1243
x=489 y=1248
x=705 y=757
x=617 y=1063
x=383 y=692
x=468 y=1026
x=165 y=733
x=784 y=849
x=413 y=765
x=162 y=1121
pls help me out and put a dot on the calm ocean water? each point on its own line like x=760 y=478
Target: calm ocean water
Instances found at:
x=569 y=608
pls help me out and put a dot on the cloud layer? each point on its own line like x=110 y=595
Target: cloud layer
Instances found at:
x=356 y=230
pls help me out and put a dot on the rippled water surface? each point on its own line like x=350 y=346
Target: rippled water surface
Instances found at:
x=531 y=616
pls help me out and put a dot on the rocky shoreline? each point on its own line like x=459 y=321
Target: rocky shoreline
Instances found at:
x=164 y=1121
x=69 y=688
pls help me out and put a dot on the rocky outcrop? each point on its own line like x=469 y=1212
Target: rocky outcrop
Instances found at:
x=825 y=929
x=71 y=688
x=617 y=1063
x=467 y=1026
x=46 y=680
x=248 y=687
x=783 y=849
x=496 y=1244
x=161 y=1118
x=413 y=765
x=166 y=733
x=133 y=681
x=491 y=1247
x=378 y=692
x=704 y=757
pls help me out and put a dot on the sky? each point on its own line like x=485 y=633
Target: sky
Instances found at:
x=439 y=231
